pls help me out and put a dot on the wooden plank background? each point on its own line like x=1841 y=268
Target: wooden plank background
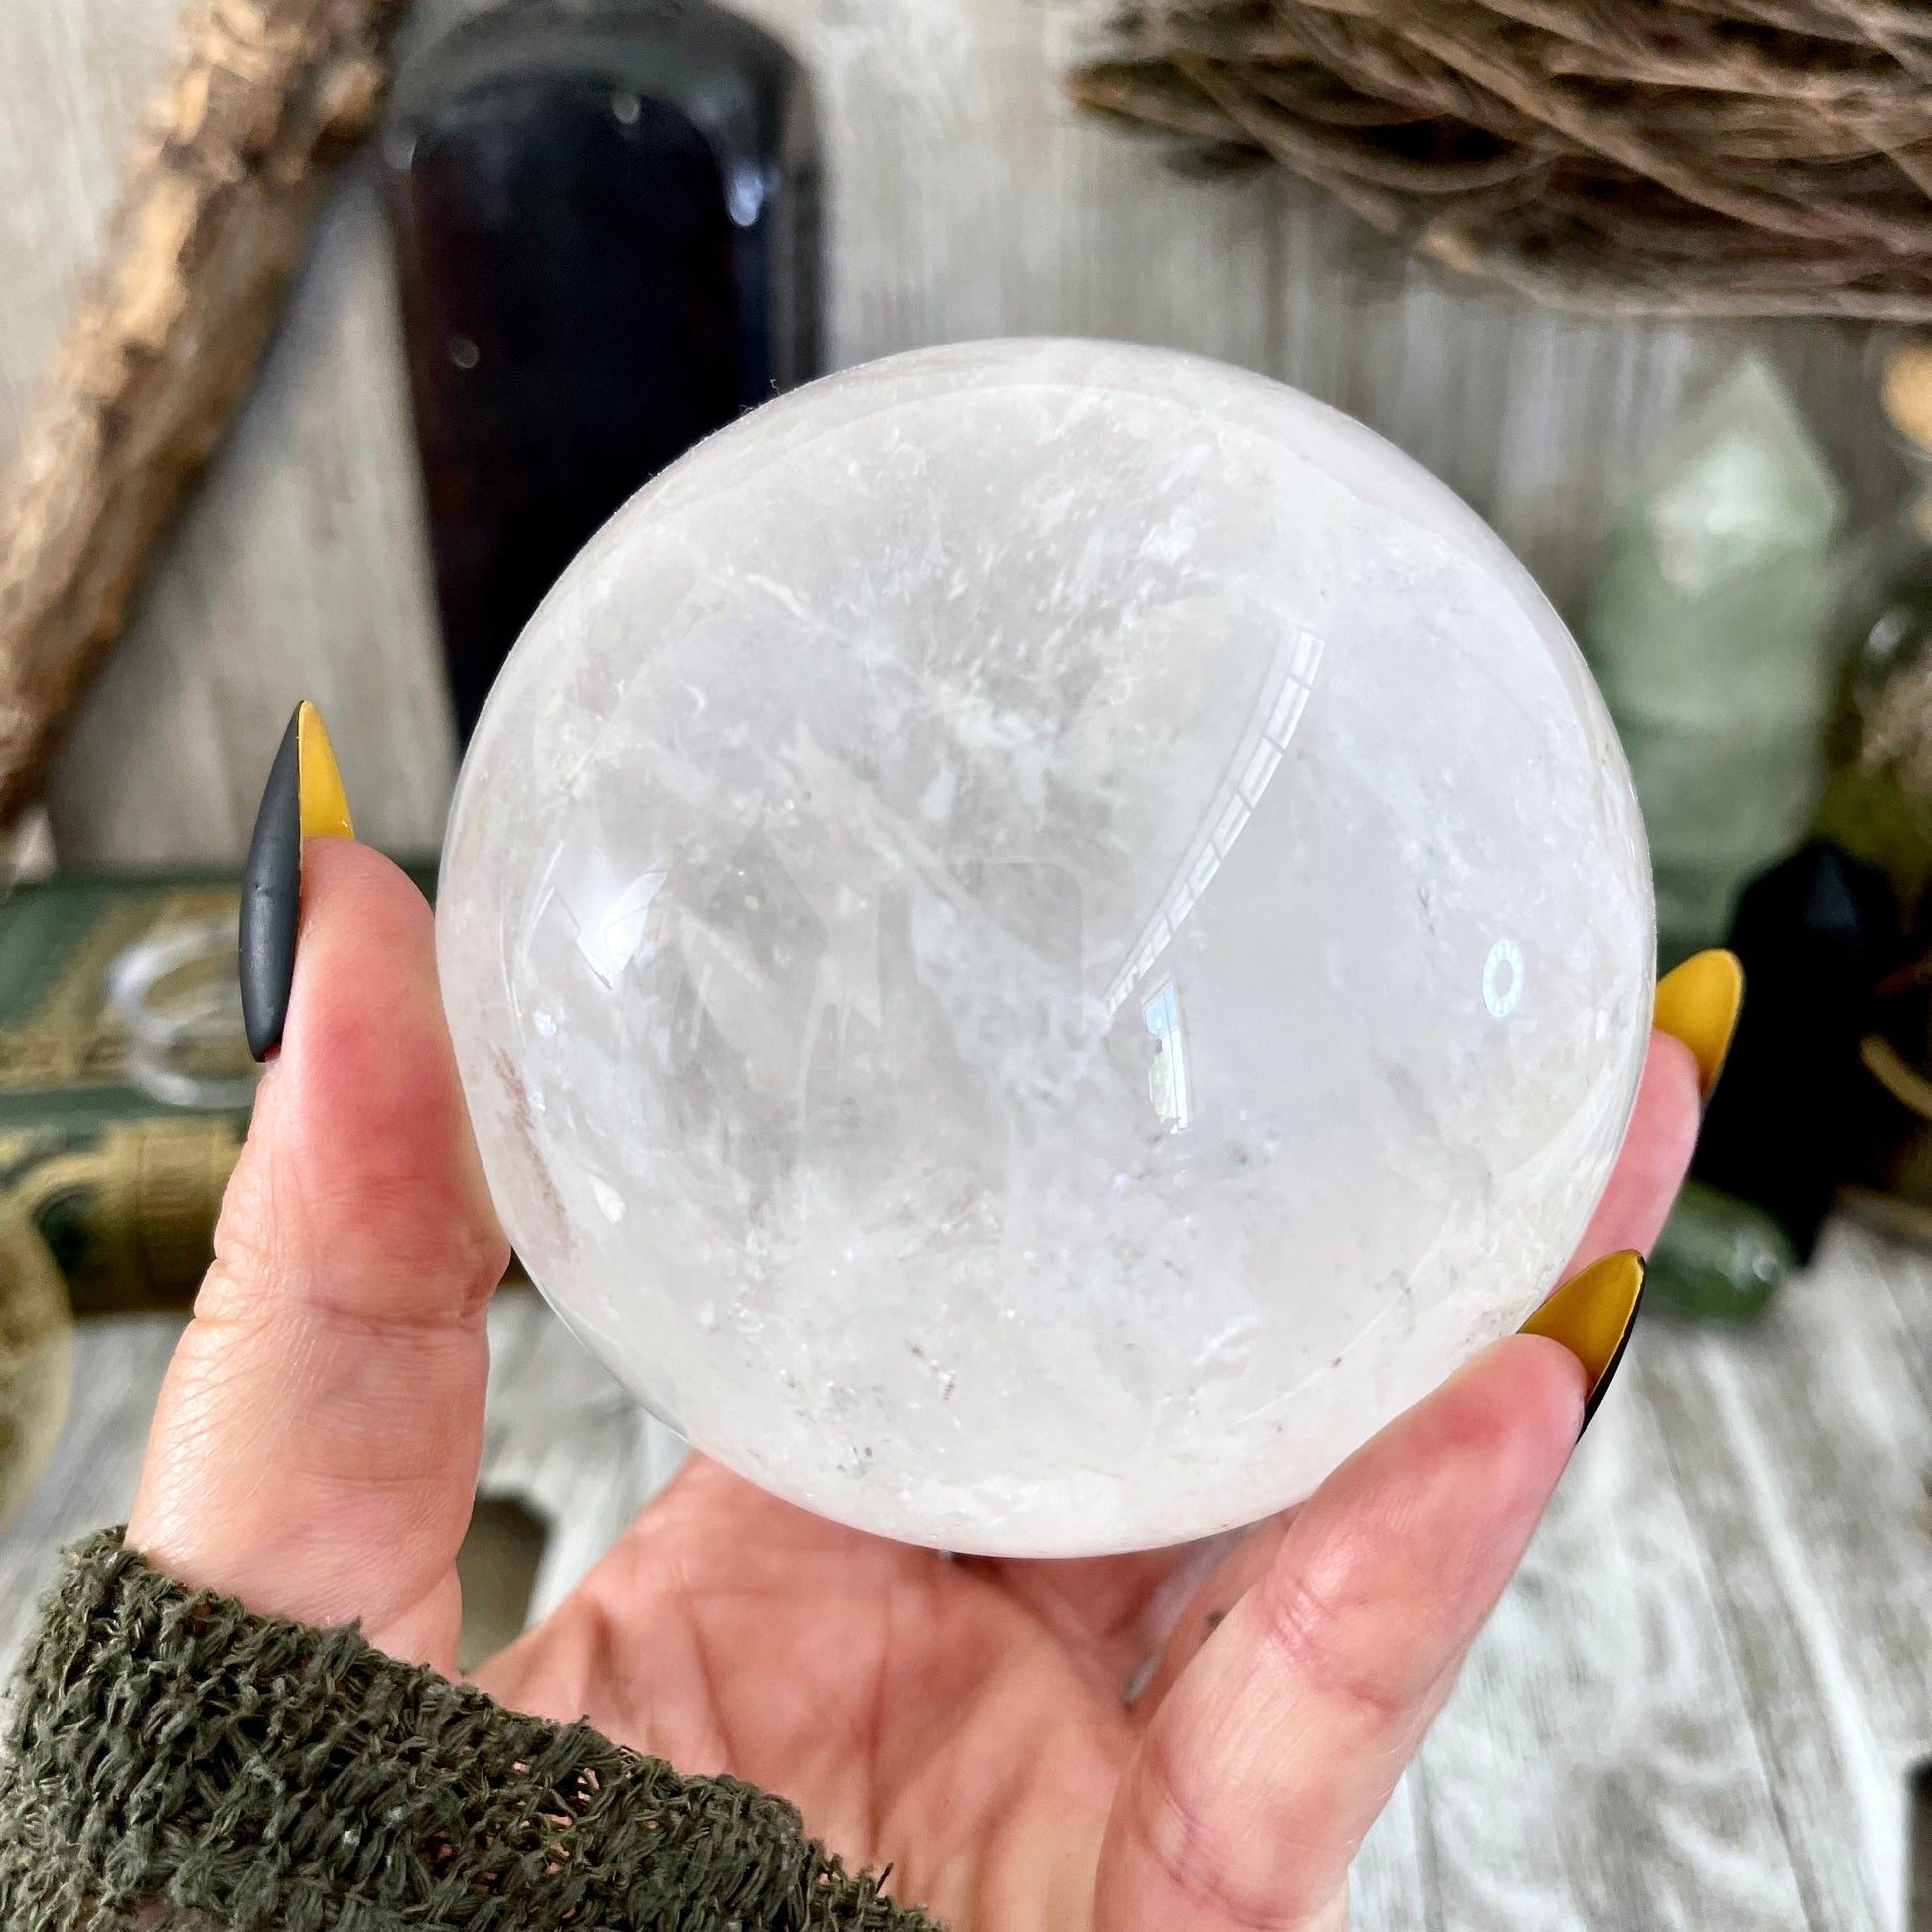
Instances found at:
x=966 y=200
x=1701 y=1701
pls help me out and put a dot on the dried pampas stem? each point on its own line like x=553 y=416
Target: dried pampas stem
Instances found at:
x=209 y=230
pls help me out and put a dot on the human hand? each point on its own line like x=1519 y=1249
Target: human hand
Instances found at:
x=315 y=1455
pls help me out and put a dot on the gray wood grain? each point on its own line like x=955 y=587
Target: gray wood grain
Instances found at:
x=1597 y=1767
x=72 y=82
x=90 y=1485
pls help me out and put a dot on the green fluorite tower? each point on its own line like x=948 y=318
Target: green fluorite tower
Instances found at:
x=1708 y=632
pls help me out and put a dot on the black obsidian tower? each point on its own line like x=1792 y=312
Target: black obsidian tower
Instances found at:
x=606 y=222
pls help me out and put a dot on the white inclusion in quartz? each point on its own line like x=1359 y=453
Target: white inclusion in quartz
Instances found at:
x=1041 y=936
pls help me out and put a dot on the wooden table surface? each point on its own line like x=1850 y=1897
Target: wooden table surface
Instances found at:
x=1698 y=1709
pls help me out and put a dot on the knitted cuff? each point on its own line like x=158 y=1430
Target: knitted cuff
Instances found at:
x=171 y=1760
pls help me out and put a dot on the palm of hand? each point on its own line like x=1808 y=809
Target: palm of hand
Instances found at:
x=961 y=1722
x=316 y=1448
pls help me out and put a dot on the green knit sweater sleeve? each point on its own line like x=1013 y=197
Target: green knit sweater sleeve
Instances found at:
x=171 y=1761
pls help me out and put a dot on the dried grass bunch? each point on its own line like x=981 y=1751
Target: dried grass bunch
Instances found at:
x=1665 y=157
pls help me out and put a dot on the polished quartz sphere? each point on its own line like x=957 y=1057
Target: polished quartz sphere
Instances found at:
x=1040 y=937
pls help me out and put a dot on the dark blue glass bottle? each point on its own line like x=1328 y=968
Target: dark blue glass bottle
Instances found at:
x=606 y=222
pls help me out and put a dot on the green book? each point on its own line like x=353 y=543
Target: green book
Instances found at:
x=122 y=1185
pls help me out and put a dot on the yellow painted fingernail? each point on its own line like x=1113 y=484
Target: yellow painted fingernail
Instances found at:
x=1592 y=1315
x=1699 y=1004
x=304 y=798
x=324 y=805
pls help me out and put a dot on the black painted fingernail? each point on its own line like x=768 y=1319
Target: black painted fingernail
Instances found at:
x=303 y=797
x=1593 y=1314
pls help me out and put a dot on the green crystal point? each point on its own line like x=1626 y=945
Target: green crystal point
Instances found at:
x=1706 y=629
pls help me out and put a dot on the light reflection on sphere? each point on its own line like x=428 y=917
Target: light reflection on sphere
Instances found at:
x=1040 y=937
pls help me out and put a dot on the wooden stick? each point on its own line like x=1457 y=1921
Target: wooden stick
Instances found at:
x=261 y=97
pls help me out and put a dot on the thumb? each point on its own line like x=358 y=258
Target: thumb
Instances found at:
x=315 y=1445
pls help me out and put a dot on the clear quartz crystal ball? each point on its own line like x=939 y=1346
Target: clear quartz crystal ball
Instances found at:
x=1040 y=937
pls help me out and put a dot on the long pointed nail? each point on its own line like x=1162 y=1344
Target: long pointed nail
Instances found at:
x=1592 y=1315
x=304 y=798
x=1699 y=1004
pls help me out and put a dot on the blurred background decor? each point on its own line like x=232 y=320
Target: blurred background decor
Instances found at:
x=121 y=1176
x=1724 y=157
x=1878 y=804
x=1707 y=627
